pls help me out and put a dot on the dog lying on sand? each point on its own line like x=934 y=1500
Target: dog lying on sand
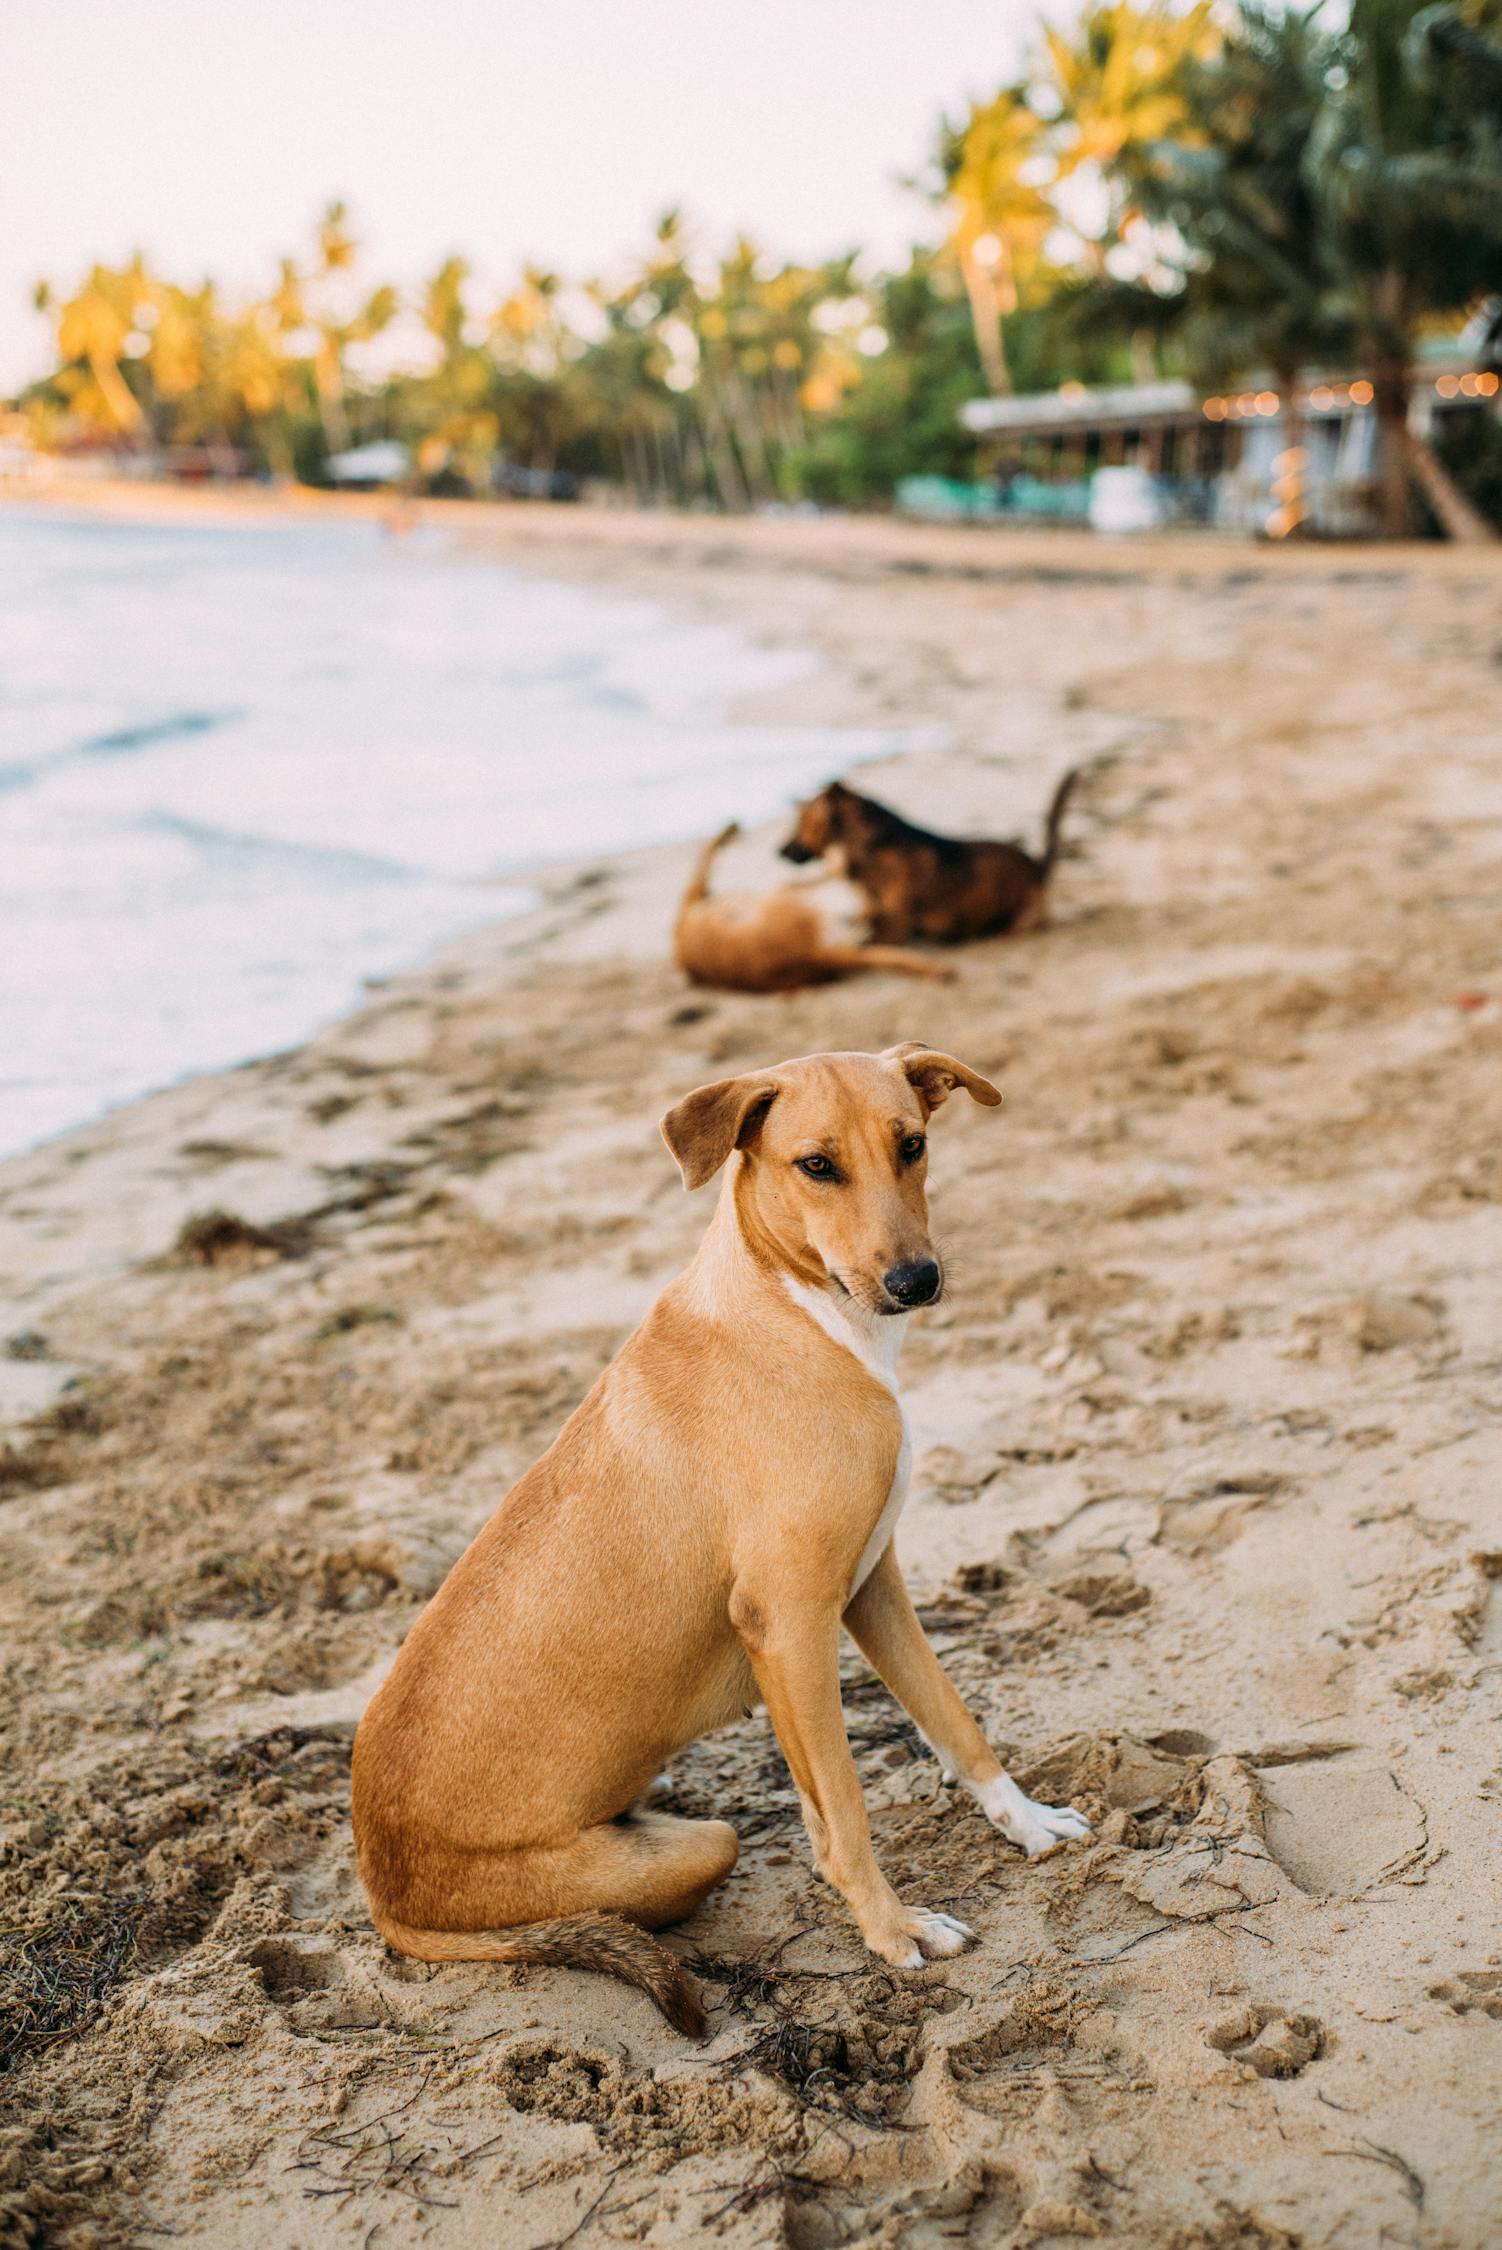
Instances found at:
x=773 y=941
x=722 y=1502
x=921 y=884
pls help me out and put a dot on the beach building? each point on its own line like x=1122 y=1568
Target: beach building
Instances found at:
x=1138 y=456
x=365 y=468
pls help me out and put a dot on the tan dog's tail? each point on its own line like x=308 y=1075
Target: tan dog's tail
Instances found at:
x=1055 y=818
x=698 y=882
x=606 y=1943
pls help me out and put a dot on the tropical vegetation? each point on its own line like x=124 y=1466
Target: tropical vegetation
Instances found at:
x=1166 y=189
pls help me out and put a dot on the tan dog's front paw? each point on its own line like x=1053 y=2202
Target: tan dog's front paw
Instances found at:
x=921 y=1936
x=1039 y=1829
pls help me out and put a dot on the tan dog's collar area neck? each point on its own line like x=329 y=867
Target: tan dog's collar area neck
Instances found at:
x=875 y=1342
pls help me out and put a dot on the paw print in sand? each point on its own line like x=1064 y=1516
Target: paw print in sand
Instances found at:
x=1275 y=2043
x=1472 y=1992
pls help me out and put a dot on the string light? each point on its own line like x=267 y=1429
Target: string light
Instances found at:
x=1362 y=393
x=1288 y=490
x=1447 y=385
x=1266 y=402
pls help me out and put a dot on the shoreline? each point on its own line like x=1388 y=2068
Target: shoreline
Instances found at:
x=1203 y=1523
x=653 y=700
x=827 y=541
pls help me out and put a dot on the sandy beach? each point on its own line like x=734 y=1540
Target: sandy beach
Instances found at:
x=1206 y=1518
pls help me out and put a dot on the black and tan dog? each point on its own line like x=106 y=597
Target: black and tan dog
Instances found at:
x=922 y=885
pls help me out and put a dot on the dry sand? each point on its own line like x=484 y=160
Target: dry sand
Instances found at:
x=1206 y=1514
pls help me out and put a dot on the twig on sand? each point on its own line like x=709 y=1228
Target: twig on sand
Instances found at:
x=375 y=2161
x=1372 y=2152
x=1181 y=1922
x=1158 y=1930
x=557 y=2241
x=768 y=2176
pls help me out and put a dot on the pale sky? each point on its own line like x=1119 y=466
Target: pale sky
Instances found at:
x=211 y=135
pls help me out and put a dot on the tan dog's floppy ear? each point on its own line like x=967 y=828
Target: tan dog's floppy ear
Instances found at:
x=708 y=1123
x=934 y=1077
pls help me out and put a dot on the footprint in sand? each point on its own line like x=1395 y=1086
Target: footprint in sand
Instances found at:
x=290 y=1971
x=1275 y=2043
x=1472 y=1992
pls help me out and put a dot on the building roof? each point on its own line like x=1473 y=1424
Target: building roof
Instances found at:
x=1078 y=405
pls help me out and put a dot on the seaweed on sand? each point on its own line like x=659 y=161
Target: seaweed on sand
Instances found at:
x=55 y=1979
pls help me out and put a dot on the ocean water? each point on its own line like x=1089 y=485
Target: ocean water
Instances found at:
x=244 y=767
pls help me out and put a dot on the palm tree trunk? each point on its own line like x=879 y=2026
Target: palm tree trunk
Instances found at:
x=279 y=452
x=1458 y=519
x=1296 y=442
x=748 y=432
x=1390 y=386
x=118 y=395
x=721 y=457
x=985 y=315
x=1408 y=460
x=794 y=426
x=328 y=379
x=696 y=472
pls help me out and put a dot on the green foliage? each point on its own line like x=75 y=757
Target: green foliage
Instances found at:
x=901 y=416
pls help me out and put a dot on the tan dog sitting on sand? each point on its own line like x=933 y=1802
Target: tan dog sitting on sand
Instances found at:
x=722 y=1501
x=773 y=941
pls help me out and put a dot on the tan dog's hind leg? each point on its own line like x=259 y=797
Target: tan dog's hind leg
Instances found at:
x=894 y=957
x=796 y=1662
x=887 y=1630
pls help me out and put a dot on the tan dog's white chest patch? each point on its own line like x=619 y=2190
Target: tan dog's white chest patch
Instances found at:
x=875 y=1341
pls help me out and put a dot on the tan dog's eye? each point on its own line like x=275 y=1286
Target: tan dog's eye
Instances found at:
x=817 y=1167
x=913 y=1145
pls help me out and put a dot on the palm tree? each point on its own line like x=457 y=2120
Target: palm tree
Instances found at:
x=444 y=312
x=337 y=328
x=1001 y=217
x=1118 y=82
x=94 y=326
x=1406 y=162
x=1251 y=289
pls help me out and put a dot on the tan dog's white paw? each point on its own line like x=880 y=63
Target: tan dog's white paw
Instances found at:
x=1022 y=1820
x=925 y=1936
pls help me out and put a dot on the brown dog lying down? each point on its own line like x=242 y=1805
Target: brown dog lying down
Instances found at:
x=919 y=884
x=774 y=941
x=690 y=1545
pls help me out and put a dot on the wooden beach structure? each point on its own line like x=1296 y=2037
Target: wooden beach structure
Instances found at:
x=1250 y=460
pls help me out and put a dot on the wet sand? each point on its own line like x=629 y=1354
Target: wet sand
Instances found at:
x=1206 y=1516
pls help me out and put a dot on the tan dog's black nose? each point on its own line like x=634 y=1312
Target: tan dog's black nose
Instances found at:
x=915 y=1282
